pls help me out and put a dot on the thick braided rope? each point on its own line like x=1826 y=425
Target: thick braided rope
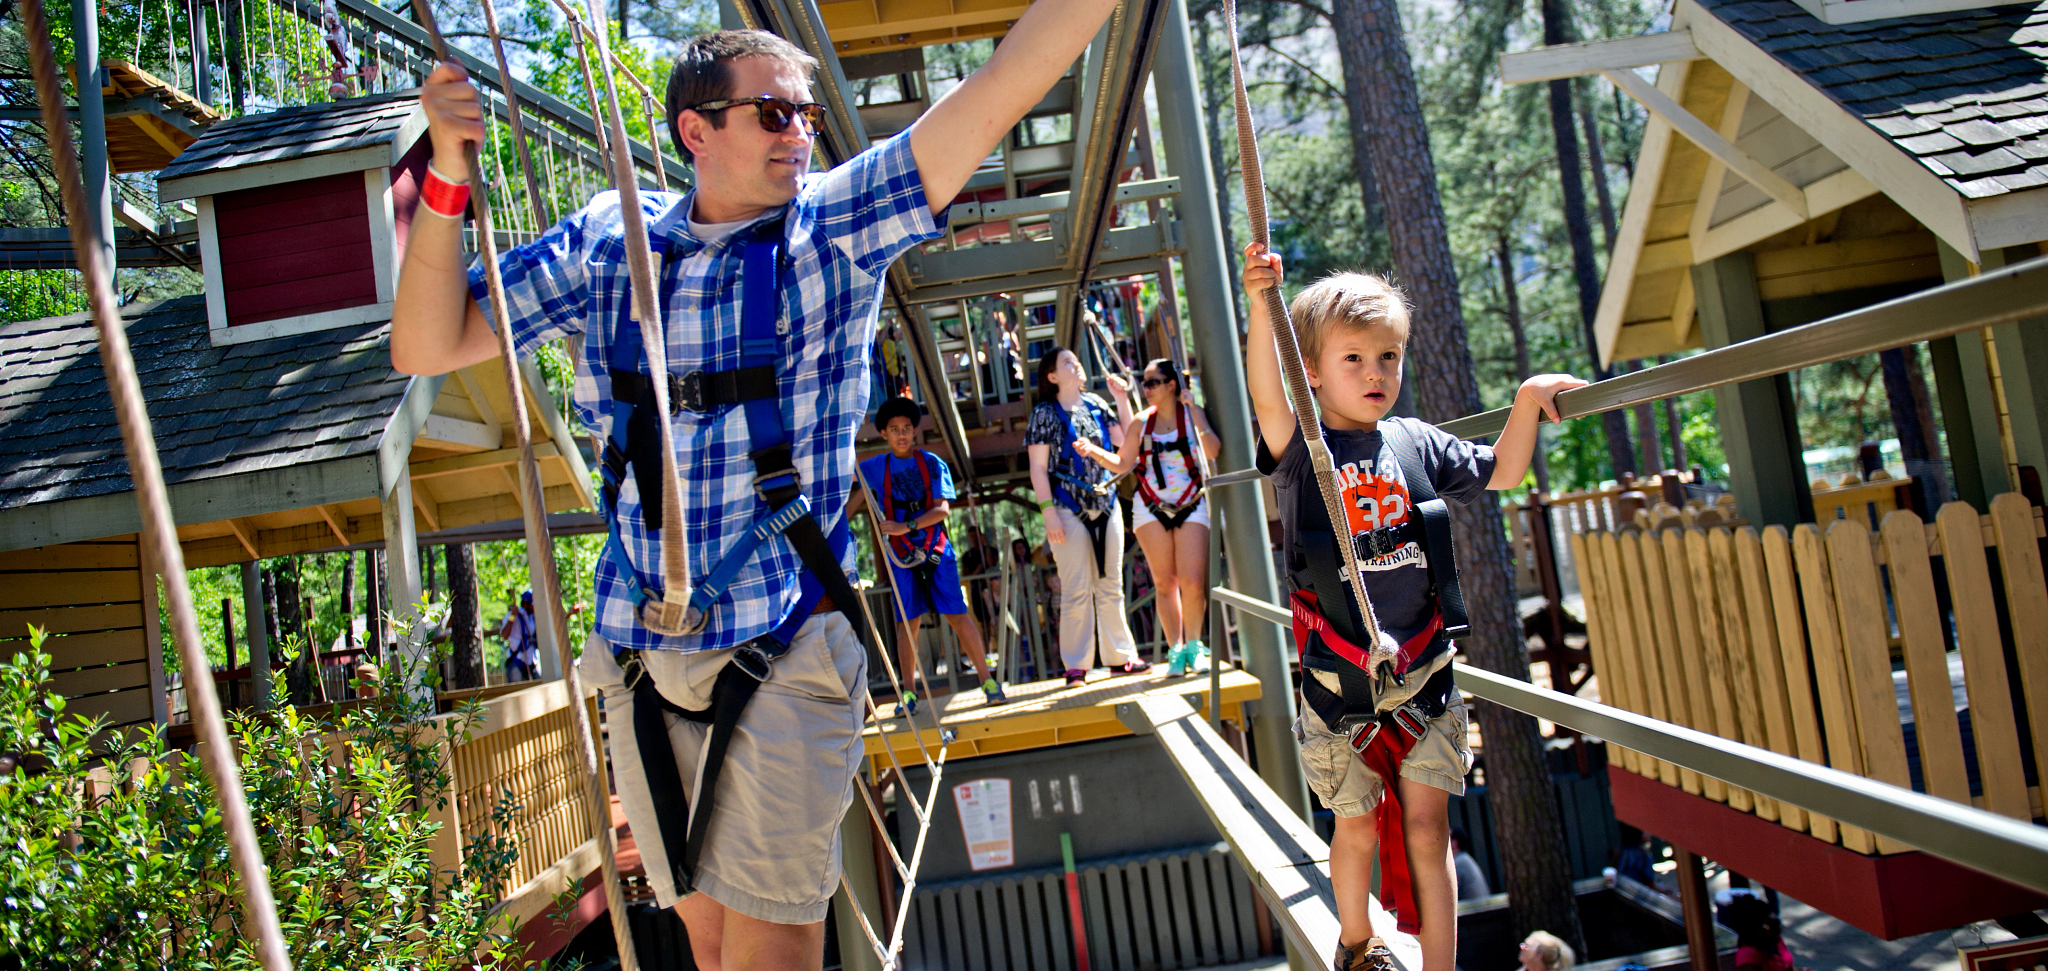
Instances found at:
x=1291 y=369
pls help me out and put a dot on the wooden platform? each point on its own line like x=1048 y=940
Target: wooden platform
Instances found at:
x=1041 y=714
x=142 y=140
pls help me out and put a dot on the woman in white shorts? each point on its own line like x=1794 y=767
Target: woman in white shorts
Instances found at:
x=1171 y=517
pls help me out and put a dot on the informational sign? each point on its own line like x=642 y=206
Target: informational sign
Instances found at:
x=984 y=806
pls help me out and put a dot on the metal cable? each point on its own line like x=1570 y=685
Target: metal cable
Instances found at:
x=1291 y=369
x=159 y=528
x=540 y=550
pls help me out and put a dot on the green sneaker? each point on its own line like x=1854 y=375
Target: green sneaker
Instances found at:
x=994 y=692
x=908 y=706
x=1199 y=656
x=1178 y=660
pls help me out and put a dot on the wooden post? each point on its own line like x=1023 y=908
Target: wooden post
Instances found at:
x=1699 y=911
x=1765 y=468
x=153 y=638
x=1970 y=402
x=402 y=568
x=257 y=630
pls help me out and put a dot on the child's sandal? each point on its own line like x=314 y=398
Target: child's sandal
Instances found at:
x=1372 y=955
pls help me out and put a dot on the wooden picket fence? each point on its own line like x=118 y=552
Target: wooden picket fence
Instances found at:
x=1785 y=639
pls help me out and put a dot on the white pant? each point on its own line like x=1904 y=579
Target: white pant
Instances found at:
x=1092 y=604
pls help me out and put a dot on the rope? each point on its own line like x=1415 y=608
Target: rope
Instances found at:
x=160 y=530
x=533 y=196
x=540 y=549
x=1291 y=369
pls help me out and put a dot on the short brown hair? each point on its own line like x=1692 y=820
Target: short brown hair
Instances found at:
x=703 y=72
x=1344 y=300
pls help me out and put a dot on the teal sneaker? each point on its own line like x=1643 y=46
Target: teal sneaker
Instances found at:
x=1198 y=654
x=1178 y=660
x=908 y=706
x=993 y=690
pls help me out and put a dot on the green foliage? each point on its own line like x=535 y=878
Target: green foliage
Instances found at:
x=117 y=856
x=31 y=294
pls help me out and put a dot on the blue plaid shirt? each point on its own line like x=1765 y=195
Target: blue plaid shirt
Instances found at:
x=842 y=231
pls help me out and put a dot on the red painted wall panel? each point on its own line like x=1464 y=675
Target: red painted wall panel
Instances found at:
x=1889 y=896
x=295 y=248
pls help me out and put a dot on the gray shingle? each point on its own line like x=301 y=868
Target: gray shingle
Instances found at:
x=296 y=131
x=59 y=441
x=1966 y=92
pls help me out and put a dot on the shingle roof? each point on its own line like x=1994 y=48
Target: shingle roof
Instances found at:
x=216 y=411
x=273 y=136
x=1966 y=93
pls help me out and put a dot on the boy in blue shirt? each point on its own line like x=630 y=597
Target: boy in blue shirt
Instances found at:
x=914 y=490
x=1382 y=728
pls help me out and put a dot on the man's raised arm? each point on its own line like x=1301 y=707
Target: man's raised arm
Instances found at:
x=951 y=140
x=435 y=326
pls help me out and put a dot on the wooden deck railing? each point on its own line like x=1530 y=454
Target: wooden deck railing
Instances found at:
x=1785 y=640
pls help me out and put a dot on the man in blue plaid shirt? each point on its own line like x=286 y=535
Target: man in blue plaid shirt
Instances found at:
x=740 y=107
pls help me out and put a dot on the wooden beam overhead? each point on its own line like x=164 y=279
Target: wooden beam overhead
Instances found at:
x=441 y=431
x=1597 y=56
x=335 y=518
x=478 y=460
x=423 y=500
x=244 y=536
x=1710 y=141
x=475 y=390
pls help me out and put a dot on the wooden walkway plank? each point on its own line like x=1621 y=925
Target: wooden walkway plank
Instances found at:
x=1993 y=729
x=1866 y=651
x=2026 y=602
x=1649 y=655
x=1830 y=669
x=1741 y=667
x=1593 y=588
x=1769 y=667
x=1926 y=655
x=1784 y=586
x=1629 y=671
x=1285 y=859
x=1677 y=700
x=1685 y=617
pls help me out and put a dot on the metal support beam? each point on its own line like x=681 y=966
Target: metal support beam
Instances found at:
x=1969 y=401
x=92 y=130
x=257 y=632
x=1212 y=320
x=1758 y=419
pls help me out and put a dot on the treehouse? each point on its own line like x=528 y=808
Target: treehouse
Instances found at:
x=1806 y=159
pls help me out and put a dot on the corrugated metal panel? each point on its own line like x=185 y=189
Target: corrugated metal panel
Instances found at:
x=1188 y=908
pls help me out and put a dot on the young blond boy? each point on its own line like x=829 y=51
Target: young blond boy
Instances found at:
x=1353 y=335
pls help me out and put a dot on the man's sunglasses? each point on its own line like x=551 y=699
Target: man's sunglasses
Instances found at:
x=776 y=114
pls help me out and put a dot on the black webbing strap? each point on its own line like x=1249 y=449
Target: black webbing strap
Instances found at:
x=665 y=786
x=1439 y=549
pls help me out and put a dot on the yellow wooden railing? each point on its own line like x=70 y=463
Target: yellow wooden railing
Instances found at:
x=1785 y=639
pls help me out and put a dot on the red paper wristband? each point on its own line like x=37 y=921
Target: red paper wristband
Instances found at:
x=442 y=197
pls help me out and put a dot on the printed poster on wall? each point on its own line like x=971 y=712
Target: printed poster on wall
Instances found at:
x=984 y=806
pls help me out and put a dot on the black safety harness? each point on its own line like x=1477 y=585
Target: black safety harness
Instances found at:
x=635 y=446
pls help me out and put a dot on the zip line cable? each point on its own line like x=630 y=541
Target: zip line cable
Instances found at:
x=159 y=529
x=1291 y=367
x=533 y=196
x=540 y=551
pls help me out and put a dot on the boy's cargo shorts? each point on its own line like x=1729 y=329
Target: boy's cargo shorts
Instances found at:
x=1340 y=779
x=772 y=852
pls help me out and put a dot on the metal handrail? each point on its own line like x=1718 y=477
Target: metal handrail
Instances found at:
x=2009 y=849
x=1999 y=296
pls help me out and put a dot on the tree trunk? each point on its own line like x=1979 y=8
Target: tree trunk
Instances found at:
x=1910 y=421
x=1673 y=426
x=465 y=635
x=1355 y=95
x=1511 y=298
x=290 y=611
x=1595 y=160
x=1585 y=268
x=348 y=601
x=1647 y=445
x=1538 y=880
x=373 y=610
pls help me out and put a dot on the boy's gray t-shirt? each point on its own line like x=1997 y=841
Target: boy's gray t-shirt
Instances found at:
x=1375 y=496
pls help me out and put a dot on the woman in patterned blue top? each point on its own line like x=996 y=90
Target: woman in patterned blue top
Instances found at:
x=1083 y=519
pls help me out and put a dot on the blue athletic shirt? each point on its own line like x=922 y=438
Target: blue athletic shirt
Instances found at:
x=907 y=493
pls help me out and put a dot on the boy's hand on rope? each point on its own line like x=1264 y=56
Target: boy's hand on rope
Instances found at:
x=1542 y=390
x=892 y=528
x=454 y=118
x=1262 y=270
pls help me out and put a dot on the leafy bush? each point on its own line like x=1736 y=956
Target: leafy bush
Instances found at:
x=115 y=856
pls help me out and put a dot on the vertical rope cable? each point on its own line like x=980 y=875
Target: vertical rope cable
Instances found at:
x=1291 y=369
x=160 y=530
x=540 y=551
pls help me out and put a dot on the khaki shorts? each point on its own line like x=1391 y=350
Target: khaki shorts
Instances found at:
x=1341 y=780
x=772 y=852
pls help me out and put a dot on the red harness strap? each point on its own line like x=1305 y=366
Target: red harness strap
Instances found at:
x=935 y=538
x=1382 y=751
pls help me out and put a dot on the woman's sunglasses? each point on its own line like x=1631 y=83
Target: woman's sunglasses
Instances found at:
x=1151 y=383
x=776 y=114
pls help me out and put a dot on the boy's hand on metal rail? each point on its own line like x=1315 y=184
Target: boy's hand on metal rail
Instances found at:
x=1262 y=270
x=454 y=118
x=1542 y=390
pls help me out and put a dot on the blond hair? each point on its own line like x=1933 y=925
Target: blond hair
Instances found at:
x=1556 y=954
x=1348 y=300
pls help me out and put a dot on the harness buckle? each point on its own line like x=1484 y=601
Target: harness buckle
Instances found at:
x=1411 y=721
x=688 y=391
x=1363 y=738
x=760 y=490
x=755 y=661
